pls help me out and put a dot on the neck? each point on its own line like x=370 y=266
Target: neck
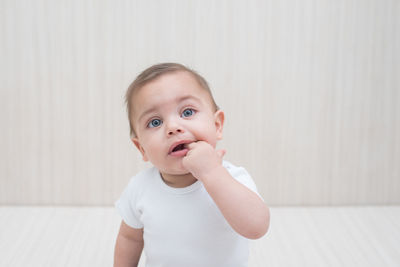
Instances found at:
x=178 y=181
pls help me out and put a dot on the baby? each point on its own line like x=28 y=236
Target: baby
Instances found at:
x=192 y=208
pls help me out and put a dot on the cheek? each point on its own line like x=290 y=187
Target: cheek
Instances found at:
x=208 y=133
x=151 y=144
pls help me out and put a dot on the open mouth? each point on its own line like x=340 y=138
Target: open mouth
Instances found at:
x=179 y=147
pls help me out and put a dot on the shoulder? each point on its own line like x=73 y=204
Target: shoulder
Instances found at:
x=142 y=180
x=138 y=185
x=128 y=205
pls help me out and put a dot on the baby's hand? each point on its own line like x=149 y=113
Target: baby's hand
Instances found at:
x=202 y=158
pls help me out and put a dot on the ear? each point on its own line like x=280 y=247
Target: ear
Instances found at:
x=140 y=148
x=219 y=118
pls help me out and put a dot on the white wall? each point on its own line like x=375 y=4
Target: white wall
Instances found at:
x=310 y=90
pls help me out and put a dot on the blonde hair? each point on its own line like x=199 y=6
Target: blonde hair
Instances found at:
x=154 y=72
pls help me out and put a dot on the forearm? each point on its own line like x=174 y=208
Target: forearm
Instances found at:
x=244 y=210
x=127 y=252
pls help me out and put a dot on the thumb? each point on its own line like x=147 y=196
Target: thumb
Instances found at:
x=221 y=153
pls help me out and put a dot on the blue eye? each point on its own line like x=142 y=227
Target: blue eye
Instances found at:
x=188 y=112
x=154 y=123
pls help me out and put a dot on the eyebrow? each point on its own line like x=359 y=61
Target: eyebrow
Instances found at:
x=178 y=99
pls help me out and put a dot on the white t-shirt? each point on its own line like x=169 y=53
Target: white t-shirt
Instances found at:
x=182 y=227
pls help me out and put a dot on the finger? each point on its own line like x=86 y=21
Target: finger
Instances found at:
x=191 y=145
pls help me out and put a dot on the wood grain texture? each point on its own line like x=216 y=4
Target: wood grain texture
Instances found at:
x=310 y=90
x=320 y=236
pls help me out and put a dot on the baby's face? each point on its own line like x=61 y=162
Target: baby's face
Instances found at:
x=168 y=113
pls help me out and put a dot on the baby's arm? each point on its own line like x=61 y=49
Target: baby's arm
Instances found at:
x=128 y=247
x=244 y=210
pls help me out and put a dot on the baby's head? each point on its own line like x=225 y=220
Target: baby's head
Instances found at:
x=154 y=72
x=170 y=106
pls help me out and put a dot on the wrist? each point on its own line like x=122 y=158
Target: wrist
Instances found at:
x=211 y=173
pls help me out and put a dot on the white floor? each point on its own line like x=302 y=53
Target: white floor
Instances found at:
x=85 y=236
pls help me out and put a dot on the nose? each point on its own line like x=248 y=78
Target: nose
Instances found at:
x=174 y=128
x=177 y=130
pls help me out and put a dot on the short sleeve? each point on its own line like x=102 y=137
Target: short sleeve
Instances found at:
x=242 y=176
x=126 y=206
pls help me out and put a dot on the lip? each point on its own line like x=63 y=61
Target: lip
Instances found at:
x=179 y=152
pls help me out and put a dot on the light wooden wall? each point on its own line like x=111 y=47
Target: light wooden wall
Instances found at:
x=310 y=89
